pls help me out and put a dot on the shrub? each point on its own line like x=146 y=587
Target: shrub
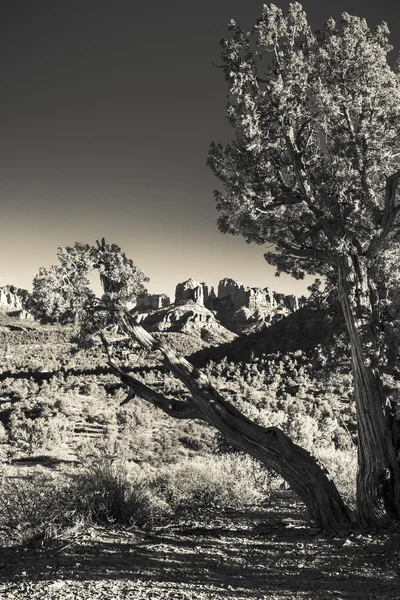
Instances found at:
x=205 y=482
x=108 y=492
x=32 y=507
x=342 y=467
x=42 y=506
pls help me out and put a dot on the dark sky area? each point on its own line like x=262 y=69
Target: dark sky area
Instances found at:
x=107 y=112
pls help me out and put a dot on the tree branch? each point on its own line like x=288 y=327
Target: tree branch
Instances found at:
x=173 y=408
x=304 y=252
x=267 y=444
x=300 y=174
x=389 y=213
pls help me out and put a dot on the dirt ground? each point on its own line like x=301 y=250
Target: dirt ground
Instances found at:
x=273 y=554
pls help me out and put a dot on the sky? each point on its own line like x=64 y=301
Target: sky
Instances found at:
x=107 y=111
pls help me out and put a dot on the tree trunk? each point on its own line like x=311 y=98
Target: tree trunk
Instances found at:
x=269 y=445
x=378 y=480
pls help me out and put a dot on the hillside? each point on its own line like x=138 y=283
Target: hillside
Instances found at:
x=53 y=396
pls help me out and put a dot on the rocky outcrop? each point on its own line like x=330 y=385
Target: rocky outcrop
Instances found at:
x=12 y=298
x=192 y=290
x=235 y=307
x=153 y=302
x=181 y=318
x=244 y=309
x=240 y=296
x=287 y=301
x=190 y=318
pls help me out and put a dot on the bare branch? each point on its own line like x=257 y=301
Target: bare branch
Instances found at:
x=173 y=408
x=360 y=153
x=267 y=444
x=300 y=174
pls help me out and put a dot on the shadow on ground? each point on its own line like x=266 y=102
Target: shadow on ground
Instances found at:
x=273 y=553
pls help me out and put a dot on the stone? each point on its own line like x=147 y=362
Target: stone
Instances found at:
x=191 y=290
x=12 y=298
x=153 y=302
x=239 y=307
x=240 y=296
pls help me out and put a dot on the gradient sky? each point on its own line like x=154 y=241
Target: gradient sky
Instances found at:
x=107 y=112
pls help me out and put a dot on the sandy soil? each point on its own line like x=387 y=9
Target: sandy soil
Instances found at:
x=274 y=554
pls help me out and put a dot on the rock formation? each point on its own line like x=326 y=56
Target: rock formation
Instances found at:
x=240 y=296
x=241 y=308
x=191 y=290
x=12 y=299
x=236 y=307
x=153 y=302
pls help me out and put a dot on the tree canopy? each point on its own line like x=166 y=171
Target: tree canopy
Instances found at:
x=62 y=293
x=313 y=167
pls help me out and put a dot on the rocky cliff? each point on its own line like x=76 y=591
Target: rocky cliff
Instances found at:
x=245 y=309
x=240 y=296
x=236 y=307
x=192 y=290
x=13 y=300
x=153 y=302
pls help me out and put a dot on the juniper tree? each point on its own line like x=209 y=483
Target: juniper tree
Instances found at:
x=313 y=168
x=62 y=293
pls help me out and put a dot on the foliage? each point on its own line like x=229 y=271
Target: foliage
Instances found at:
x=33 y=507
x=314 y=170
x=206 y=482
x=37 y=426
x=342 y=467
x=62 y=294
x=316 y=119
x=108 y=492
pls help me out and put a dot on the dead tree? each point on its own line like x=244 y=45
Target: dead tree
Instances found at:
x=269 y=445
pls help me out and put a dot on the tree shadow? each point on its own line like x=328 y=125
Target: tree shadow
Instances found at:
x=285 y=557
x=303 y=330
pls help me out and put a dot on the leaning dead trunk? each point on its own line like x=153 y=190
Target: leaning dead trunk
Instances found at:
x=268 y=445
x=378 y=481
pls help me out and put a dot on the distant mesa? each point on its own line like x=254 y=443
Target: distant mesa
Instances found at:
x=236 y=307
x=240 y=296
x=192 y=290
x=241 y=308
x=152 y=302
x=12 y=302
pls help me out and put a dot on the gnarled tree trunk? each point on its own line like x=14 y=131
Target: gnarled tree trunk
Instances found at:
x=378 y=480
x=269 y=445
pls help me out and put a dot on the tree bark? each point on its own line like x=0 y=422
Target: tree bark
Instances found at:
x=268 y=445
x=378 y=479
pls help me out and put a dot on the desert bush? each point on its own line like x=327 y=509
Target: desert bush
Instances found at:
x=35 y=507
x=342 y=467
x=205 y=482
x=110 y=492
x=35 y=426
x=40 y=507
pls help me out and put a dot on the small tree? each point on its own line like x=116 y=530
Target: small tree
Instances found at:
x=62 y=294
x=314 y=169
